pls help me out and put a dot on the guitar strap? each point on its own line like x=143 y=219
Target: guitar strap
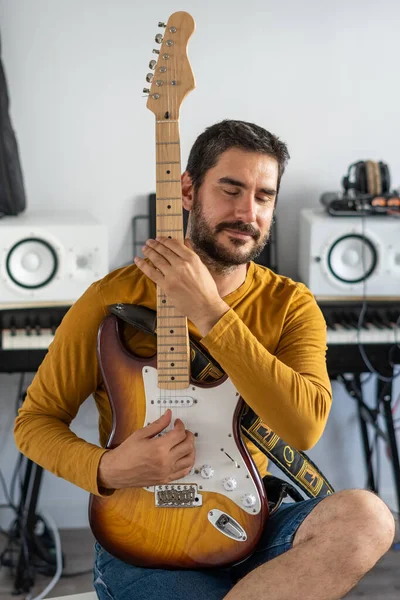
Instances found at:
x=296 y=465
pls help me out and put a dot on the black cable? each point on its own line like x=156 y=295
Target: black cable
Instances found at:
x=19 y=392
x=360 y=322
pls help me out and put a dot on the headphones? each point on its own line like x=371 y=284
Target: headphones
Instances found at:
x=369 y=177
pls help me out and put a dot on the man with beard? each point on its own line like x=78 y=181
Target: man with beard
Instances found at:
x=267 y=333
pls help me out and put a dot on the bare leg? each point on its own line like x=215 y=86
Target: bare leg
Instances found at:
x=335 y=546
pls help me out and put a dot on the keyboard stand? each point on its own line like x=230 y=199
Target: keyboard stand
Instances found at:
x=25 y=527
x=384 y=393
x=33 y=546
x=367 y=415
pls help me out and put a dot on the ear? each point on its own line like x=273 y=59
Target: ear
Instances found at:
x=187 y=191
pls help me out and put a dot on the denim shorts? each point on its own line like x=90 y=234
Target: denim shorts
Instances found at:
x=116 y=580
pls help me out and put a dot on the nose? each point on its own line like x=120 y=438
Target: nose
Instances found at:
x=245 y=208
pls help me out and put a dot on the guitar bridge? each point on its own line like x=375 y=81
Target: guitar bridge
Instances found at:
x=177 y=496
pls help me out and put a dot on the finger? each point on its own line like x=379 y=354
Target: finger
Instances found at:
x=150 y=271
x=186 y=462
x=177 y=247
x=156 y=256
x=176 y=435
x=183 y=452
x=184 y=447
x=179 y=474
x=156 y=427
x=167 y=252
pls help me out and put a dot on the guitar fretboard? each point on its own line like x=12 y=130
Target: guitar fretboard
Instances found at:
x=173 y=356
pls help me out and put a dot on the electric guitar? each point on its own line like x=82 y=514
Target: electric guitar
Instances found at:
x=214 y=516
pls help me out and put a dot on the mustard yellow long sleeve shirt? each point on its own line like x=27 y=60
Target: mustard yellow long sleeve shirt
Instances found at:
x=271 y=343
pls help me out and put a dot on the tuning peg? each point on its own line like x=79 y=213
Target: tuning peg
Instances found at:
x=159 y=38
x=146 y=91
x=156 y=51
x=152 y=64
x=161 y=24
x=149 y=77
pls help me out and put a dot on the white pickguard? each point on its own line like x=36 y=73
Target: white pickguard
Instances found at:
x=209 y=414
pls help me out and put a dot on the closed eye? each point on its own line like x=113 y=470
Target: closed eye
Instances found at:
x=231 y=193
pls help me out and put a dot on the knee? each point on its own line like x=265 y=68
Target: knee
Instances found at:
x=368 y=520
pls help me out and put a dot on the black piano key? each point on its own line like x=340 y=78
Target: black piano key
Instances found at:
x=393 y=316
x=341 y=320
x=355 y=318
x=347 y=322
x=385 y=320
x=375 y=320
x=329 y=323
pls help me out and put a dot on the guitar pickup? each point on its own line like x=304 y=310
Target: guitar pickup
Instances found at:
x=175 y=401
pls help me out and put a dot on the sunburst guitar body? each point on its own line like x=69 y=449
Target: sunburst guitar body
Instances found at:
x=214 y=516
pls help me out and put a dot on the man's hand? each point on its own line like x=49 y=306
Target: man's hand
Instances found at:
x=144 y=460
x=185 y=279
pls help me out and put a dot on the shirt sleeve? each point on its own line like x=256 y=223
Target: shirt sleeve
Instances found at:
x=289 y=390
x=68 y=375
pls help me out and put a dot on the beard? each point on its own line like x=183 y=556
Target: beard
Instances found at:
x=217 y=255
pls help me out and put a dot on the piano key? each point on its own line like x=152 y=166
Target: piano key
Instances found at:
x=371 y=335
x=20 y=340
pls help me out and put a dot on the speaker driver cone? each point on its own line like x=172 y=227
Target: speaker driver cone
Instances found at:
x=31 y=263
x=352 y=258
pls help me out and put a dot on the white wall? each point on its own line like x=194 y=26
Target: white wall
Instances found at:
x=323 y=76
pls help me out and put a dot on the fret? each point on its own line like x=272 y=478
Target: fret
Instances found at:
x=168 y=162
x=165 y=370
x=168 y=360
x=175 y=353
x=169 y=155
x=168 y=380
x=168 y=121
x=167 y=230
x=170 y=317
x=168 y=181
x=169 y=214
x=167 y=336
x=170 y=198
x=167 y=143
x=174 y=346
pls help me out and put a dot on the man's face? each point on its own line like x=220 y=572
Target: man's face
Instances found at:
x=232 y=211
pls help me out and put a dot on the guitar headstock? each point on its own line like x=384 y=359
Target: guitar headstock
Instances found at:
x=173 y=78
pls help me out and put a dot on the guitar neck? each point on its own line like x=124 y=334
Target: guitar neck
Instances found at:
x=173 y=356
x=169 y=220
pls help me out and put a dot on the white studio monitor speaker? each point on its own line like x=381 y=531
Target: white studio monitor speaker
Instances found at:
x=50 y=257
x=349 y=257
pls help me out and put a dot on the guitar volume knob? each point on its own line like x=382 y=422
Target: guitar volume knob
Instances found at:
x=249 y=500
x=206 y=471
x=229 y=484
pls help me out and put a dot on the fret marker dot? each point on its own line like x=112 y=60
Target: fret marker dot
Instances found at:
x=164 y=301
x=172 y=349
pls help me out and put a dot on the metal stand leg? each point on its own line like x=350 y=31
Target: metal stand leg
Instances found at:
x=384 y=391
x=25 y=525
x=366 y=415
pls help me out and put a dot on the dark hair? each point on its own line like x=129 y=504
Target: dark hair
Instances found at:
x=226 y=134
